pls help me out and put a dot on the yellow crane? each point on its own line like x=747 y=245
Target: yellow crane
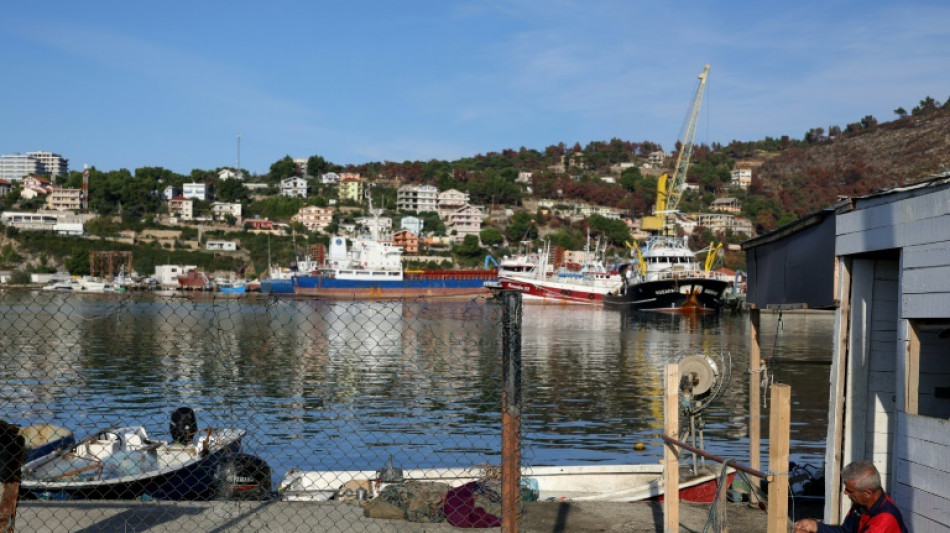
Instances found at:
x=670 y=188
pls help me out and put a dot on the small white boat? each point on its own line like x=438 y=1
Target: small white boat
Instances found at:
x=608 y=483
x=63 y=285
x=124 y=463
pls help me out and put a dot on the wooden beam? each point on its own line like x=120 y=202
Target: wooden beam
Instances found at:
x=671 y=465
x=839 y=372
x=755 y=387
x=779 y=429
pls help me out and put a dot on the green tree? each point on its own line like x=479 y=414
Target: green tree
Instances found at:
x=281 y=169
x=616 y=231
x=521 y=227
x=232 y=191
x=491 y=236
x=468 y=251
x=317 y=165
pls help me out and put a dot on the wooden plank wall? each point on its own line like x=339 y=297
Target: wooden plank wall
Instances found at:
x=922 y=472
x=917 y=225
x=880 y=414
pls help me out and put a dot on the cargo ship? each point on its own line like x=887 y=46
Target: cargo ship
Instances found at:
x=370 y=267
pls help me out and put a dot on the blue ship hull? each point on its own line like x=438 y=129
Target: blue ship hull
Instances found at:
x=277 y=286
x=428 y=286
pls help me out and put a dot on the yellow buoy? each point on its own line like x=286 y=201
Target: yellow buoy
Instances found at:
x=639 y=447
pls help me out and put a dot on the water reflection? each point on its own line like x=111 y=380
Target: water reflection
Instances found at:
x=347 y=384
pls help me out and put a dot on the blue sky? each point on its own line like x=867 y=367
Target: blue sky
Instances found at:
x=173 y=84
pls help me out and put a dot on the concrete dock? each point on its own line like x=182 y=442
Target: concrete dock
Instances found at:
x=332 y=517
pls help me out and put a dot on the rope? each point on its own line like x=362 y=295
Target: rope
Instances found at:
x=717 y=512
x=770 y=365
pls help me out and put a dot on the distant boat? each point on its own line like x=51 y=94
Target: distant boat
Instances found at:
x=667 y=277
x=231 y=286
x=586 y=284
x=195 y=280
x=62 y=285
x=371 y=268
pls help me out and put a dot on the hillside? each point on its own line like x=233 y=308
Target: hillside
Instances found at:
x=887 y=155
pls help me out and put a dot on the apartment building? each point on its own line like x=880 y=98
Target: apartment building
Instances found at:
x=742 y=177
x=418 y=198
x=451 y=201
x=51 y=164
x=350 y=187
x=181 y=207
x=407 y=240
x=314 y=218
x=464 y=221
x=220 y=210
x=60 y=199
x=15 y=167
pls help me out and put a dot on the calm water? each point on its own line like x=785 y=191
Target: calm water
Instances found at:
x=348 y=385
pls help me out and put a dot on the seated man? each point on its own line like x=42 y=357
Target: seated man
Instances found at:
x=872 y=510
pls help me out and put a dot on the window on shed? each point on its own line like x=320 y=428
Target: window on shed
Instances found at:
x=928 y=391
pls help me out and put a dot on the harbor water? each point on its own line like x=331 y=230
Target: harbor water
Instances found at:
x=353 y=385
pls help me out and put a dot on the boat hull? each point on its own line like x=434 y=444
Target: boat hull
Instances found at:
x=277 y=286
x=194 y=479
x=548 y=292
x=446 y=286
x=605 y=483
x=684 y=295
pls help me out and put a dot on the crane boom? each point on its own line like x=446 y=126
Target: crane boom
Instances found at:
x=670 y=188
x=675 y=187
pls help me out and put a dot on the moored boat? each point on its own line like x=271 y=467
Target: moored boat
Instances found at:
x=124 y=463
x=587 y=283
x=607 y=483
x=371 y=268
x=666 y=277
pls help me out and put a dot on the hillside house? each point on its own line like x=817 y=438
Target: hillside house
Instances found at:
x=61 y=199
x=293 y=187
x=181 y=207
x=413 y=224
x=464 y=221
x=726 y=205
x=220 y=210
x=314 y=218
x=350 y=187
x=451 y=201
x=195 y=191
x=408 y=240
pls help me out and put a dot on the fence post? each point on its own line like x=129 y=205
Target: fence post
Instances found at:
x=779 y=428
x=671 y=464
x=755 y=399
x=511 y=413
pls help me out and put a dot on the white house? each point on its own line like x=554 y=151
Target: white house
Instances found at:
x=464 y=221
x=883 y=262
x=294 y=186
x=229 y=174
x=221 y=246
x=195 y=191
x=412 y=224
x=330 y=178
x=220 y=210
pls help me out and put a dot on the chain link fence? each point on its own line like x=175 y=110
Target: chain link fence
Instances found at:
x=211 y=413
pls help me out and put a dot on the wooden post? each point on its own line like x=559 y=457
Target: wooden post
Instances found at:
x=755 y=388
x=779 y=429
x=671 y=464
x=755 y=396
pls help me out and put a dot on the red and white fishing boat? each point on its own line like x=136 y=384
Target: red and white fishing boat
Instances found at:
x=586 y=283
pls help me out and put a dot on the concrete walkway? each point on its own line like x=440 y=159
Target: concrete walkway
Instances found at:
x=191 y=517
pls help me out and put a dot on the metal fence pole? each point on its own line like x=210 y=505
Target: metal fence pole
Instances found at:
x=511 y=413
